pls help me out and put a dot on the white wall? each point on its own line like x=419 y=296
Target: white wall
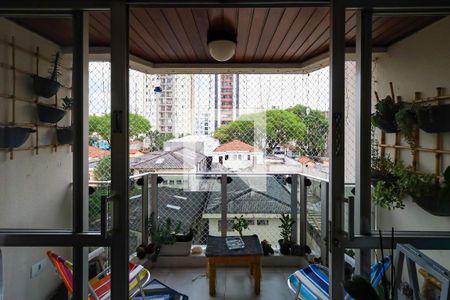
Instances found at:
x=35 y=190
x=419 y=63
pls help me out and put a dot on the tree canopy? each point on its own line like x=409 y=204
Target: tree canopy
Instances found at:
x=316 y=122
x=157 y=140
x=273 y=127
x=101 y=125
x=299 y=125
x=102 y=171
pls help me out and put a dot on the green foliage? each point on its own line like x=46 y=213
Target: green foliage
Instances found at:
x=158 y=139
x=382 y=167
x=101 y=125
x=416 y=185
x=387 y=195
x=406 y=119
x=239 y=224
x=67 y=103
x=54 y=71
x=165 y=234
x=316 y=123
x=102 y=171
x=287 y=223
x=243 y=131
x=281 y=127
x=385 y=111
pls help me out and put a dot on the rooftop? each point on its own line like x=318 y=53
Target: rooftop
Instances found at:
x=180 y=158
x=236 y=145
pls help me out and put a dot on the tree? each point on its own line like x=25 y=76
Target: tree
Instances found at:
x=273 y=127
x=316 y=122
x=102 y=171
x=157 y=140
x=101 y=125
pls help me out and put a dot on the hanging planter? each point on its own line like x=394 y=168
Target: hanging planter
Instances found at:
x=13 y=137
x=384 y=116
x=433 y=205
x=45 y=87
x=64 y=135
x=49 y=114
x=48 y=87
x=434 y=119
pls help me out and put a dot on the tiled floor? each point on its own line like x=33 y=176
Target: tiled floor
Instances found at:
x=231 y=283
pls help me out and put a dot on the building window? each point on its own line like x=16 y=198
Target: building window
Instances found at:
x=248 y=157
x=262 y=222
x=240 y=157
x=179 y=182
x=226 y=156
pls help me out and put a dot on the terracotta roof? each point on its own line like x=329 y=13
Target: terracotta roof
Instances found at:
x=180 y=158
x=305 y=160
x=95 y=152
x=236 y=145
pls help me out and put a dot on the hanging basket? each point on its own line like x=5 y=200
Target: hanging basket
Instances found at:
x=13 y=137
x=388 y=179
x=434 y=119
x=64 y=135
x=433 y=205
x=387 y=125
x=49 y=114
x=45 y=87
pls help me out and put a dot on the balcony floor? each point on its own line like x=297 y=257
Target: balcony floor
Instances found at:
x=231 y=283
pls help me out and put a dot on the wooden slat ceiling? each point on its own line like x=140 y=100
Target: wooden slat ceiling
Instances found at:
x=270 y=35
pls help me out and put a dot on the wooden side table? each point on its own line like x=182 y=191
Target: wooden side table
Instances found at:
x=218 y=254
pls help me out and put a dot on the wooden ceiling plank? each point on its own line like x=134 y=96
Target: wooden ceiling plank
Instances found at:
x=288 y=18
x=202 y=23
x=167 y=34
x=174 y=21
x=194 y=35
x=294 y=31
x=256 y=28
x=272 y=22
x=145 y=35
x=324 y=40
x=319 y=20
x=245 y=16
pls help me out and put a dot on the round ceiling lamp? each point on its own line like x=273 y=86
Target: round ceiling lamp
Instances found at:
x=221 y=45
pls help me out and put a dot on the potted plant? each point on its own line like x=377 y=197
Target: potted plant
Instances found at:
x=406 y=119
x=239 y=224
x=13 y=137
x=48 y=87
x=382 y=169
x=287 y=223
x=169 y=239
x=432 y=196
x=384 y=116
x=65 y=134
x=50 y=113
x=434 y=119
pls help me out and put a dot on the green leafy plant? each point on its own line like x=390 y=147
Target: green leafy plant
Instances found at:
x=406 y=119
x=165 y=234
x=384 y=116
x=445 y=190
x=239 y=224
x=287 y=223
x=54 y=72
x=67 y=103
x=388 y=196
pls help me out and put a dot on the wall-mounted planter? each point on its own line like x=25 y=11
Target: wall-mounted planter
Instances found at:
x=388 y=125
x=434 y=119
x=388 y=179
x=64 y=135
x=177 y=249
x=13 y=137
x=49 y=114
x=433 y=205
x=45 y=87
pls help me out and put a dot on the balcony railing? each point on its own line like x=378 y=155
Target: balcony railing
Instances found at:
x=208 y=202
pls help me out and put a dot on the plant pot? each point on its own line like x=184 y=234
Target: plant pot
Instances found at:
x=64 y=135
x=285 y=247
x=434 y=119
x=297 y=250
x=13 y=137
x=49 y=114
x=387 y=125
x=45 y=87
x=177 y=249
x=433 y=205
x=388 y=179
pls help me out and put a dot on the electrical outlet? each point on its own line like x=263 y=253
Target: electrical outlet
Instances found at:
x=38 y=267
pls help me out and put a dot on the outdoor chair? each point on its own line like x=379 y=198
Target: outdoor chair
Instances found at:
x=312 y=282
x=100 y=286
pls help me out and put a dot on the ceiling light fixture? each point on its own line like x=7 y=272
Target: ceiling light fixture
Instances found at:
x=221 y=45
